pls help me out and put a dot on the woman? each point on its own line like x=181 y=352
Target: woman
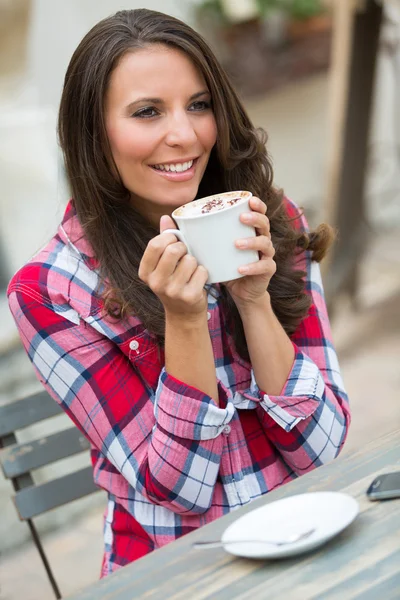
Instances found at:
x=196 y=399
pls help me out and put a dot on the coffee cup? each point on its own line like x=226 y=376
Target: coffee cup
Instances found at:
x=209 y=228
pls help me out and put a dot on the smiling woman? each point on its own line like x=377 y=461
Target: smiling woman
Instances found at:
x=196 y=399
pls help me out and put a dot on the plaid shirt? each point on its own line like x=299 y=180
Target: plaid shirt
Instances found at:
x=169 y=458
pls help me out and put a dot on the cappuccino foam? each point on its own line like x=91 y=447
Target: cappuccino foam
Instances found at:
x=209 y=205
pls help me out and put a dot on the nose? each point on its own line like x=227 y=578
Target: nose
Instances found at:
x=180 y=130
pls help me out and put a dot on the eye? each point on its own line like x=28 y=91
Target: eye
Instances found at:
x=200 y=105
x=145 y=113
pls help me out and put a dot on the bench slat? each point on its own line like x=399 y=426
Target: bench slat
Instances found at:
x=19 y=459
x=22 y=413
x=33 y=501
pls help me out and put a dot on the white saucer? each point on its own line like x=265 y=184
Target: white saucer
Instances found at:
x=328 y=512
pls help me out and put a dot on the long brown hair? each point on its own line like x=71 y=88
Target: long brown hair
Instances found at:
x=118 y=233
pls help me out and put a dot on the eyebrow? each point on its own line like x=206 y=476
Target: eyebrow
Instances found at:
x=132 y=105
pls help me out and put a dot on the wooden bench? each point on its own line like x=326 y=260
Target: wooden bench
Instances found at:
x=19 y=460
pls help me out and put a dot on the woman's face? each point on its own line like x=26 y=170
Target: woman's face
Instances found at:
x=161 y=128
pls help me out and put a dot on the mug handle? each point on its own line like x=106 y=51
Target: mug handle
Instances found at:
x=178 y=233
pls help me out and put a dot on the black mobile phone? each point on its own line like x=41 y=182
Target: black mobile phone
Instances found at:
x=385 y=487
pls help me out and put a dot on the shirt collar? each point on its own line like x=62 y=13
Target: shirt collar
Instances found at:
x=72 y=234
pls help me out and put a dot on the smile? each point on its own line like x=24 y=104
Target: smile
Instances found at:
x=183 y=171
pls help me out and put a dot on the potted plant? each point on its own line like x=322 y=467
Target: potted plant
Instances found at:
x=307 y=17
x=241 y=34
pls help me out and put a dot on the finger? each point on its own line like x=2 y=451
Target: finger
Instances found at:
x=257 y=205
x=259 y=221
x=196 y=283
x=166 y=222
x=262 y=267
x=182 y=275
x=153 y=253
x=170 y=258
x=260 y=243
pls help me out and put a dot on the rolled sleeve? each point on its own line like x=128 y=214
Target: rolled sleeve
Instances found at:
x=185 y=412
x=300 y=397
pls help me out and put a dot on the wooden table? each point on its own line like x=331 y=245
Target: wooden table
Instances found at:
x=363 y=562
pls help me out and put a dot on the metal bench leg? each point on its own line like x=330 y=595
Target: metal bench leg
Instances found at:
x=43 y=556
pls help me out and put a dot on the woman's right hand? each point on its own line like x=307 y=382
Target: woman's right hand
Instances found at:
x=174 y=275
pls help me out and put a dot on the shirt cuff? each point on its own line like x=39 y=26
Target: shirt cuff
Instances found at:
x=300 y=397
x=186 y=412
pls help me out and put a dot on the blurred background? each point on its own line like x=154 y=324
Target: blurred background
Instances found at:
x=332 y=115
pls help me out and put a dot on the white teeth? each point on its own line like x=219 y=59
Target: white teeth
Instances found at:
x=175 y=168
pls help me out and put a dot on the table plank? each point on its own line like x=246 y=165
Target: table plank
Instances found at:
x=365 y=556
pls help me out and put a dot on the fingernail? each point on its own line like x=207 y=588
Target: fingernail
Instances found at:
x=247 y=217
x=242 y=243
x=243 y=269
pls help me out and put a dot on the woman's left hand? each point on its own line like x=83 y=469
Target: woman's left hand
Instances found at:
x=253 y=286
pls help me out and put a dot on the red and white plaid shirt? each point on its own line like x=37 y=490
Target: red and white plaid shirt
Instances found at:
x=169 y=458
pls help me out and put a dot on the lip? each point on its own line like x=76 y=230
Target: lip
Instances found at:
x=176 y=176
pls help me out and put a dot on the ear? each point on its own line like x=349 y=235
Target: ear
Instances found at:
x=166 y=222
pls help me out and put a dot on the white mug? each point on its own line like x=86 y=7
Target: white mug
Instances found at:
x=210 y=237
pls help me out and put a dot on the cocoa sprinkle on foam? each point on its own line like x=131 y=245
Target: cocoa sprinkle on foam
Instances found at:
x=217 y=204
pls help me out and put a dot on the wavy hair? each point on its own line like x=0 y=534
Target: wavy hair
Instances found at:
x=238 y=161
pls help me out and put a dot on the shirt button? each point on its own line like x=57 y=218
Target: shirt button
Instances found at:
x=226 y=430
x=208 y=316
x=134 y=345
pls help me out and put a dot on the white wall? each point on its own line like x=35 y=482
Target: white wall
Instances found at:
x=58 y=26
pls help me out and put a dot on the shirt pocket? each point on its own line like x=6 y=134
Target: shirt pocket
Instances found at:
x=146 y=356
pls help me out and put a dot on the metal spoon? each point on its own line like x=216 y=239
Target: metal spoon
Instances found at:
x=289 y=540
